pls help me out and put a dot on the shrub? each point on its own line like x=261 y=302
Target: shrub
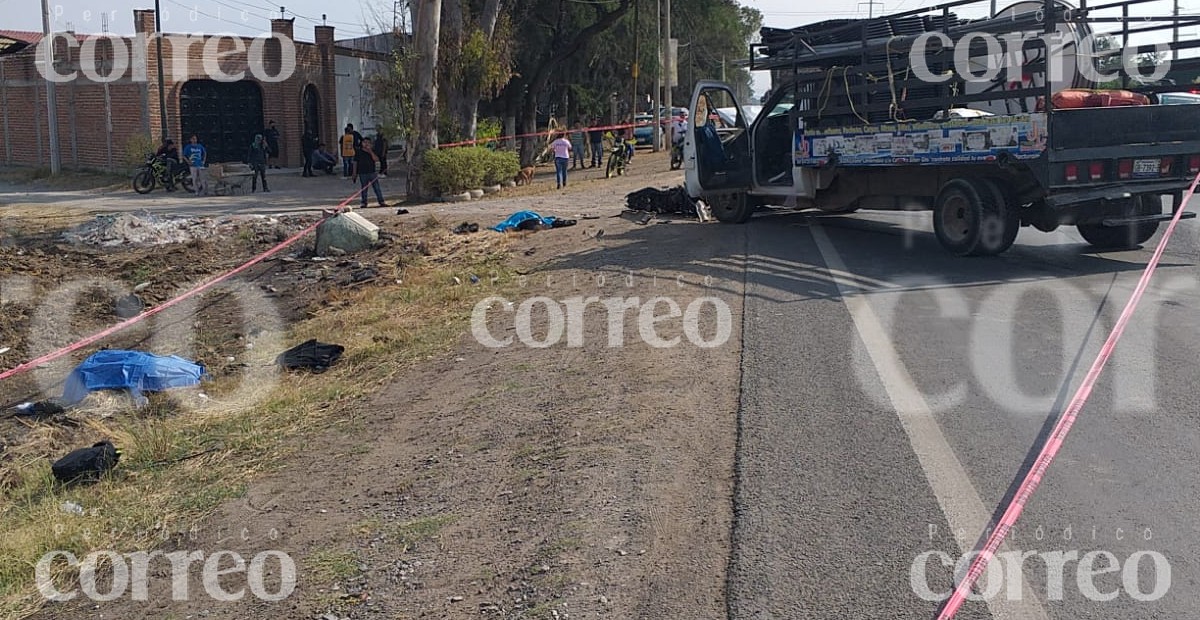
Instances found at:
x=136 y=148
x=455 y=170
x=501 y=166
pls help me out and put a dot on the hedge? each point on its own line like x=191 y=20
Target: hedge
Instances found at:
x=456 y=170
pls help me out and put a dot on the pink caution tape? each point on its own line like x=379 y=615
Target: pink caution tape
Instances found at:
x=665 y=119
x=1055 y=441
x=71 y=348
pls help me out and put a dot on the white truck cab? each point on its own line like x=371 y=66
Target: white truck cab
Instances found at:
x=732 y=166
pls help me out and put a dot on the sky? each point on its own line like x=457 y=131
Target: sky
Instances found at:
x=353 y=18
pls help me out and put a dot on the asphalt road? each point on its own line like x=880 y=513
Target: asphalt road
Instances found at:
x=893 y=396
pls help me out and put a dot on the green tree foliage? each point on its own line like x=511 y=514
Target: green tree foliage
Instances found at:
x=566 y=59
x=582 y=83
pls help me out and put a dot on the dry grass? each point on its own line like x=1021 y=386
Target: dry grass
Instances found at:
x=189 y=450
x=40 y=178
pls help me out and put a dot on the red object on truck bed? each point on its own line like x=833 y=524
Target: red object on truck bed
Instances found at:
x=1083 y=98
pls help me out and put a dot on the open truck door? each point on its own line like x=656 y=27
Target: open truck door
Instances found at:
x=717 y=160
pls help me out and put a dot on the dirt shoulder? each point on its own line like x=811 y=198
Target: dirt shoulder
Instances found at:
x=524 y=481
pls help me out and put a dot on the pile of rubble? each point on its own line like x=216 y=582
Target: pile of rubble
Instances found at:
x=127 y=229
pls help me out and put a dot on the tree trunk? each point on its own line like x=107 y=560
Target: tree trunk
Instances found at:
x=487 y=19
x=426 y=95
x=467 y=108
x=455 y=91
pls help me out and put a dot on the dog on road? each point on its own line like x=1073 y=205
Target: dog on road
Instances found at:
x=525 y=176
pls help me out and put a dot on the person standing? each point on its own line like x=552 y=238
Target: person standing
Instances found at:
x=271 y=134
x=578 y=142
x=349 y=143
x=381 y=151
x=562 y=155
x=197 y=158
x=308 y=143
x=256 y=156
x=365 y=170
x=596 y=136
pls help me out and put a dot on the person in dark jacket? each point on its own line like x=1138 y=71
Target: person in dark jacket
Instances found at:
x=256 y=156
x=308 y=144
x=596 y=138
x=271 y=134
x=381 y=151
x=365 y=171
x=169 y=152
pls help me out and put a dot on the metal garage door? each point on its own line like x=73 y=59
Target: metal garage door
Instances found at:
x=225 y=115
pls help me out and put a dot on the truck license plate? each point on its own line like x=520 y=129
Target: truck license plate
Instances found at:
x=1145 y=167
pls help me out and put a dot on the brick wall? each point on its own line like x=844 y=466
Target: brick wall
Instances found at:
x=86 y=108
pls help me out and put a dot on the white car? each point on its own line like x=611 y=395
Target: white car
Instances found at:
x=728 y=116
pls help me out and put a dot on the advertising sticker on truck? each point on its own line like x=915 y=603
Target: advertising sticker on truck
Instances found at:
x=960 y=140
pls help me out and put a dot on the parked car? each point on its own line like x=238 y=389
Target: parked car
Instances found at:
x=749 y=113
x=643 y=130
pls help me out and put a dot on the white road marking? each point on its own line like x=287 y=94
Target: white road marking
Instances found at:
x=956 y=495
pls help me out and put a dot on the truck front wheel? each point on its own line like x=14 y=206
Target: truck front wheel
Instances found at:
x=732 y=208
x=974 y=218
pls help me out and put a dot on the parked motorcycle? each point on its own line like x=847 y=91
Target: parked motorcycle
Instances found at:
x=676 y=156
x=618 y=158
x=161 y=171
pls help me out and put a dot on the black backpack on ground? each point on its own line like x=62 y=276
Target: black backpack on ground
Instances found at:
x=316 y=356
x=86 y=464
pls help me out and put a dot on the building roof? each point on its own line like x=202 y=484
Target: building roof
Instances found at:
x=14 y=40
x=17 y=40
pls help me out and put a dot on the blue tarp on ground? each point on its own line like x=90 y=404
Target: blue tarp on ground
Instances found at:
x=135 y=371
x=515 y=220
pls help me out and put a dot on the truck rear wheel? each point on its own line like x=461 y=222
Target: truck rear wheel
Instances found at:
x=974 y=218
x=732 y=208
x=1128 y=236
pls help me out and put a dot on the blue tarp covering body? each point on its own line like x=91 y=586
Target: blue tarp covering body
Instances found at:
x=515 y=220
x=135 y=371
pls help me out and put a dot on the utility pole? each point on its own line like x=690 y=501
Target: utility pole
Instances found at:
x=658 y=80
x=637 y=5
x=51 y=100
x=162 y=89
x=668 y=58
x=871 y=7
x=1175 y=34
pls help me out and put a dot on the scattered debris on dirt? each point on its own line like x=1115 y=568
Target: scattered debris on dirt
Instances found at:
x=127 y=229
